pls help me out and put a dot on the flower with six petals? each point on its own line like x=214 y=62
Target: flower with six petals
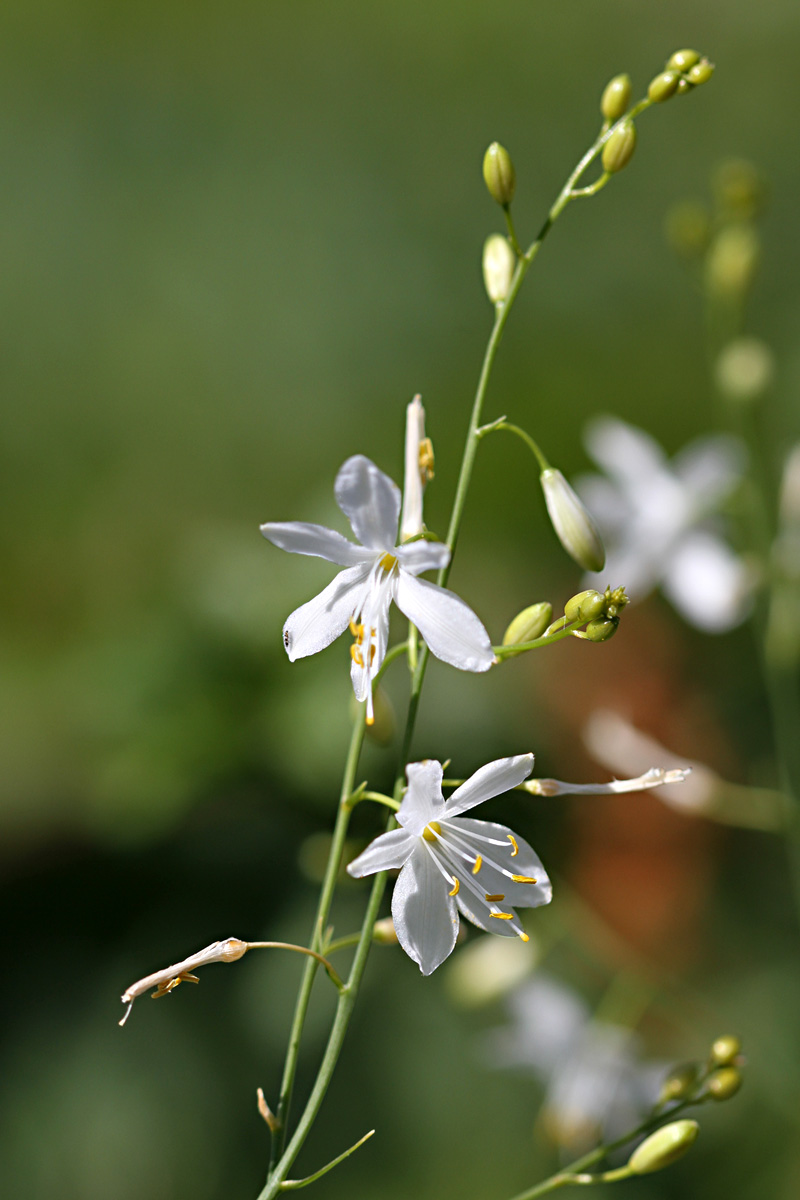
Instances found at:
x=376 y=572
x=451 y=863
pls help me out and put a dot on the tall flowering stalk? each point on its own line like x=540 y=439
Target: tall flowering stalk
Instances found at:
x=450 y=864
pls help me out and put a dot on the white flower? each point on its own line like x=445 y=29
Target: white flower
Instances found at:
x=454 y=864
x=376 y=572
x=654 y=517
x=595 y=1079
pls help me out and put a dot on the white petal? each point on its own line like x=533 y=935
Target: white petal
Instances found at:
x=423 y=556
x=517 y=857
x=298 y=537
x=411 y=520
x=373 y=614
x=627 y=454
x=450 y=628
x=314 y=625
x=423 y=801
x=710 y=467
x=387 y=852
x=707 y=583
x=493 y=779
x=370 y=501
x=425 y=917
x=652 y=777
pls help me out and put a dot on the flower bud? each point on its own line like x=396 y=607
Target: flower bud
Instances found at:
x=683 y=87
x=619 y=148
x=739 y=189
x=726 y=1050
x=663 y=86
x=585 y=606
x=700 y=73
x=499 y=174
x=529 y=624
x=498 y=267
x=680 y=1083
x=682 y=60
x=616 y=97
x=384 y=933
x=744 y=369
x=600 y=630
x=663 y=1147
x=575 y=528
x=724 y=1083
x=732 y=260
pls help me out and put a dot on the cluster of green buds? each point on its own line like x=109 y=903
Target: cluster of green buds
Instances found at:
x=683 y=71
x=718 y=1078
x=598 y=612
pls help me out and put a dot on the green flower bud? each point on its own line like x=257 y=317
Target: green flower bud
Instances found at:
x=726 y=1050
x=575 y=528
x=739 y=189
x=499 y=174
x=616 y=97
x=683 y=87
x=383 y=932
x=600 y=630
x=744 y=369
x=724 y=1083
x=700 y=73
x=680 y=1083
x=682 y=60
x=529 y=624
x=499 y=262
x=619 y=148
x=732 y=260
x=585 y=606
x=663 y=86
x=663 y=1147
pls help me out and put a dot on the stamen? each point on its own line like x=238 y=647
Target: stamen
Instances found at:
x=372 y=650
x=456 y=886
x=524 y=936
x=494 y=899
x=357 y=631
x=370 y=721
x=523 y=879
x=513 y=841
x=388 y=562
x=503 y=916
x=478 y=865
x=355 y=654
x=431 y=831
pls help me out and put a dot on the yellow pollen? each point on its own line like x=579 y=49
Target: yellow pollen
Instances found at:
x=478 y=865
x=372 y=650
x=456 y=886
x=370 y=721
x=426 y=460
x=524 y=937
x=503 y=916
x=388 y=562
x=355 y=654
x=522 y=878
x=356 y=630
x=431 y=830
x=513 y=841
x=499 y=896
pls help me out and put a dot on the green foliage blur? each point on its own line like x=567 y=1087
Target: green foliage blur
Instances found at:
x=234 y=241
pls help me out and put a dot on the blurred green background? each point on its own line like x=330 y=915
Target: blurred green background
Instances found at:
x=234 y=241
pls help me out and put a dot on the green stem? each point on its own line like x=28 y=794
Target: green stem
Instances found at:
x=533 y=446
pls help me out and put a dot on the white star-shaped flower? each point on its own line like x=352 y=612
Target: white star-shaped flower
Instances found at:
x=453 y=864
x=655 y=519
x=377 y=571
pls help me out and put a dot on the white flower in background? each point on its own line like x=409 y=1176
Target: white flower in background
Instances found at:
x=377 y=571
x=596 y=1083
x=453 y=864
x=655 y=519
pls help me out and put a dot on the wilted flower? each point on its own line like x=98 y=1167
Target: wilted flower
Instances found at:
x=655 y=519
x=376 y=572
x=453 y=864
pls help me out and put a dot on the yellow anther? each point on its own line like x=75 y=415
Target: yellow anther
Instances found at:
x=356 y=630
x=431 y=831
x=499 y=896
x=370 y=721
x=426 y=460
x=456 y=886
x=372 y=651
x=523 y=878
x=355 y=654
x=388 y=562
x=524 y=936
x=513 y=841
x=503 y=916
x=478 y=865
